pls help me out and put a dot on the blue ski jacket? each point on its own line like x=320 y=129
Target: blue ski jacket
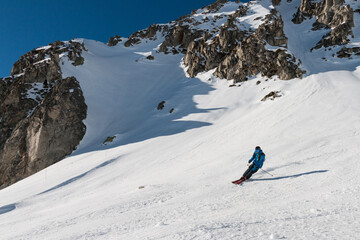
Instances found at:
x=258 y=159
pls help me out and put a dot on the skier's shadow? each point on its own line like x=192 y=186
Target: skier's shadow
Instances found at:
x=7 y=208
x=290 y=176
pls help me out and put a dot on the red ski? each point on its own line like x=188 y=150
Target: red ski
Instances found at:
x=239 y=181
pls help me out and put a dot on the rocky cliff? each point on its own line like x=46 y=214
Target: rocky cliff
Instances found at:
x=41 y=113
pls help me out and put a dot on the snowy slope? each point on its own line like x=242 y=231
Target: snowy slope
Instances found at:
x=185 y=161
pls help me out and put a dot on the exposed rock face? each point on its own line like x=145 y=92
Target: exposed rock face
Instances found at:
x=180 y=37
x=40 y=113
x=113 y=41
x=348 y=52
x=216 y=6
x=330 y=14
x=53 y=131
x=237 y=54
x=203 y=56
x=149 y=33
x=251 y=58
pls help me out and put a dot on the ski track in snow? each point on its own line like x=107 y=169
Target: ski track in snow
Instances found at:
x=168 y=176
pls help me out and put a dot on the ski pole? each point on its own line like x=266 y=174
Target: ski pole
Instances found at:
x=267 y=172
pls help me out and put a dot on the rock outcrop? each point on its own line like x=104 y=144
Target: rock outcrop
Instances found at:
x=237 y=54
x=41 y=114
x=150 y=33
x=348 y=52
x=178 y=39
x=330 y=14
x=251 y=56
x=216 y=5
x=203 y=55
x=113 y=41
x=272 y=95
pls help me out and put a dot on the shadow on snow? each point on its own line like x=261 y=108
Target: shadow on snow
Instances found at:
x=11 y=207
x=7 y=208
x=71 y=180
x=286 y=177
x=151 y=123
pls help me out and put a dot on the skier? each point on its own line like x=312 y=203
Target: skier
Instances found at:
x=257 y=161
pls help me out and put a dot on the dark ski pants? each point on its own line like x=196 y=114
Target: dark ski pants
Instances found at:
x=248 y=173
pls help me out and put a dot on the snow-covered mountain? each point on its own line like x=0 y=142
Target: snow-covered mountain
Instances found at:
x=164 y=120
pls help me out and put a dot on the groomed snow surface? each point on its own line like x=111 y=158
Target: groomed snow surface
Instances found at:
x=168 y=175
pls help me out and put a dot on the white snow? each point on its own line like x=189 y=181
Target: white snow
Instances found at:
x=44 y=60
x=34 y=91
x=255 y=15
x=43 y=48
x=168 y=176
x=227 y=9
x=251 y=21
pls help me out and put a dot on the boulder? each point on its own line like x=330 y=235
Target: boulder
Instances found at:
x=272 y=95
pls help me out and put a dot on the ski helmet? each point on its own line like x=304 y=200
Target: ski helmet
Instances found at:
x=257 y=148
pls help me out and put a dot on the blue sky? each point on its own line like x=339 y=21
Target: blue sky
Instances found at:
x=28 y=24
